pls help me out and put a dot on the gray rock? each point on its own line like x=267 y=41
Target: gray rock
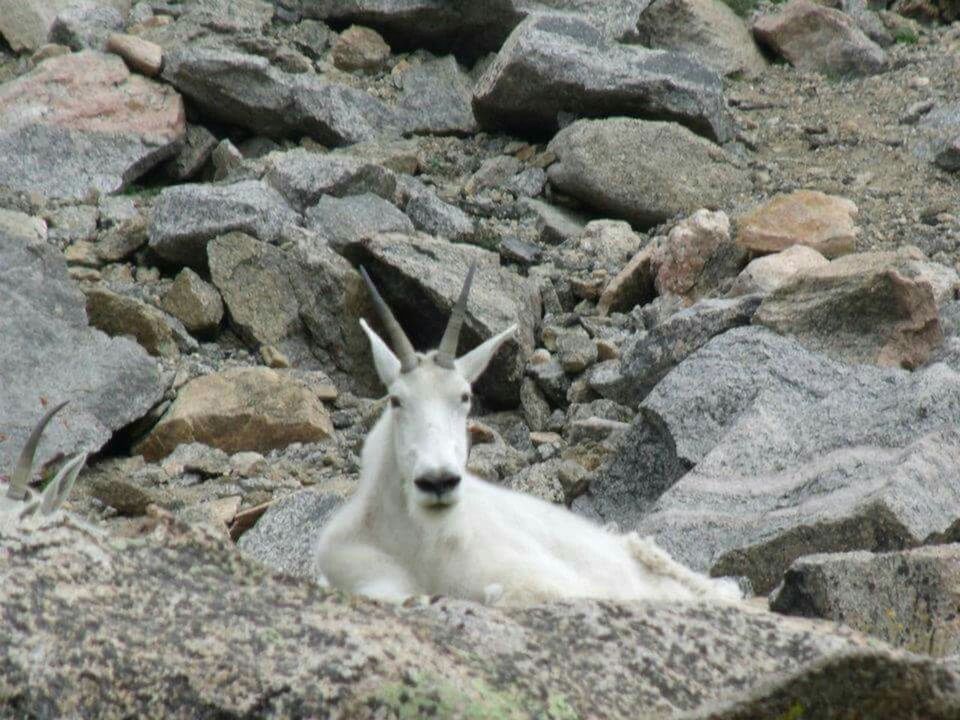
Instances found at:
x=49 y=354
x=576 y=351
x=186 y=217
x=949 y=156
x=867 y=20
x=247 y=91
x=907 y=598
x=431 y=215
x=792 y=454
x=194 y=302
x=284 y=536
x=554 y=64
x=707 y=29
x=552 y=380
x=720 y=661
x=493 y=172
x=527 y=183
x=673 y=171
x=421 y=277
x=936 y=130
x=303 y=177
x=555 y=224
x=198 y=144
x=536 y=409
x=86 y=115
x=513 y=249
x=86 y=25
x=72 y=223
x=345 y=220
x=647 y=360
x=25 y=24
x=436 y=99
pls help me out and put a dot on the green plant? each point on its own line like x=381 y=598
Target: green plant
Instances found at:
x=906 y=36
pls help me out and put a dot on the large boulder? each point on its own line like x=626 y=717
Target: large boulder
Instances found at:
x=420 y=277
x=82 y=125
x=242 y=641
x=906 y=598
x=878 y=307
x=811 y=36
x=754 y=451
x=186 y=217
x=247 y=91
x=707 y=29
x=239 y=409
x=26 y=24
x=49 y=354
x=645 y=172
x=554 y=64
x=436 y=98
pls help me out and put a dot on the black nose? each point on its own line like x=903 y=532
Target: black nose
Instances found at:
x=437 y=484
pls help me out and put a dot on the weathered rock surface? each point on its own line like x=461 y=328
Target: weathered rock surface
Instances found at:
x=194 y=302
x=344 y=220
x=633 y=285
x=359 y=48
x=247 y=91
x=803 y=217
x=434 y=216
x=140 y=55
x=87 y=116
x=765 y=274
x=49 y=354
x=186 y=217
x=791 y=454
x=870 y=307
x=421 y=277
x=364 y=659
x=284 y=537
x=239 y=409
x=707 y=29
x=25 y=24
x=814 y=37
x=85 y=25
x=436 y=98
x=555 y=64
x=670 y=170
x=907 y=598
x=119 y=315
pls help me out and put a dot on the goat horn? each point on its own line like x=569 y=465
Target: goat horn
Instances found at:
x=401 y=343
x=23 y=470
x=447 y=352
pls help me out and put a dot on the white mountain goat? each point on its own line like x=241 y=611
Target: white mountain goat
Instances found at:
x=19 y=502
x=420 y=523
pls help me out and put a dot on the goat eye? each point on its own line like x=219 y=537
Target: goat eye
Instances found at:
x=395 y=401
x=465 y=398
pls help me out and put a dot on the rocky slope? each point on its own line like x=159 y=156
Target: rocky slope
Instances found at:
x=731 y=243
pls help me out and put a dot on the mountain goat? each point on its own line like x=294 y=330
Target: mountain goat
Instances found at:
x=420 y=523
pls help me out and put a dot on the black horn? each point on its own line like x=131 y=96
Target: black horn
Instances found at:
x=447 y=352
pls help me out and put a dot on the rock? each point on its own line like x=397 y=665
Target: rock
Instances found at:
x=813 y=37
x=359 y=48
x=527 y=183
x=949 y=156
x=803 y=217
x=420 y=277
x=551 y=380
x=140 y=55
x=536 y=409
x=869 y=307
x=697 y=257
x=195 y=303
x=23 y=227
x=239 y=409
x=198 y=145
x=436 y=98
x=513 y=249
x=791 y=454
x=647 y=360
x=247 y=91
x=866 y=18
x=119 y=315
x=85 y=25
x=303 y=177
x=25 y=24
x=555 y=224
x=284 y=537
x=632 y=286
x=673 y=171
x=725 y=661
x=431 y=215
x=906 y=598
x=49 y=354
x=120 y=241
x=87 y=116
x=344 y=220
x=186 y=217
x=767 y=273
x=936 y=131
x=706 y=29
x=262 y=288
x=576 y=351
x=555 y=64
x=493 y=172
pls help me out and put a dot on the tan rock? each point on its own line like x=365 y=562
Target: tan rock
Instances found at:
x=360 y=48
x=804 y=217
x=633 y=285
x=194 y=302
x=767 y=273
x=240 y=409
x=875 y=308
x=117 y=314
x=140 y=55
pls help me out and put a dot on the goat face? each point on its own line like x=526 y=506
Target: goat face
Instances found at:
x=429 y=401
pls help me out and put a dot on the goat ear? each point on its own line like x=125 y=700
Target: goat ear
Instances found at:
x=472 y=365
x=387 y=364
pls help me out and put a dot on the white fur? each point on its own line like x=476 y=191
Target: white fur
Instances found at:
x=481 y=542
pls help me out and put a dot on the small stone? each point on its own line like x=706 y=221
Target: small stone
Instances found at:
x=804 y=217
x=140 y=55
x=194 y=302
x=552 y=381
x=197 y=147
x=82 y=253
x=767 y=273
x=119 y=315
x=606 y=350
x=196 y=458
x=697 y=256
x=360 y=48
x=247 y=464
x=555 y=224
x=272 y=357
x=632 y=286
x=513 y=249
x=493 y=172
x=576 y=351
x=545 y=438
x=536 y=409
x=480 y=433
